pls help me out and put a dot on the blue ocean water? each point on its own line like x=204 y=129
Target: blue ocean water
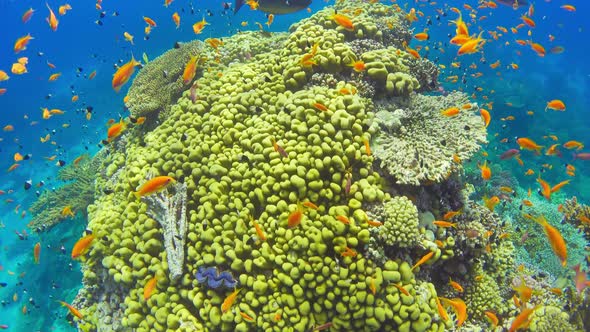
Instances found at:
x=81 y=45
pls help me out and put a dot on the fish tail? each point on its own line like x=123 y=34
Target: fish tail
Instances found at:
x=136 y=194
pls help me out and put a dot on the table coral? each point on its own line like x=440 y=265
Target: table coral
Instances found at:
x=413 y=155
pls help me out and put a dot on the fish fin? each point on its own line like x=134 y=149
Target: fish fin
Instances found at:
x=238 y=5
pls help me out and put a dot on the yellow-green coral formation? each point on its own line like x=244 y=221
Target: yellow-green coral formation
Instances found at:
x=259 y=141
x=413 y=155
x=387 y=68
x=484 y=295
x=159 y=83
x=77 y=193
x=400 y=223
x=548 y=318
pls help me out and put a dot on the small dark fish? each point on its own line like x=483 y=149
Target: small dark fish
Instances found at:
x=581 y=156
x=509 y=154
x=277 y=6
x=472 y=233
x=348 y=183
x=28 y=184
x=60 y=163
x=3 y=284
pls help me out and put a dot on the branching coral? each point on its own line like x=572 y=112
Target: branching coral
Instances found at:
x=77 y=193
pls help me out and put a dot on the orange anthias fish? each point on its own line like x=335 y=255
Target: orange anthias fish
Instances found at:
x=190 y=70
x=444 y=224
x=124 y=73
x=116 y=130
x=460 y=308
x=258 y=229
x=451 y=214
x=154 y=185
x=524 y=292
x=451 y=111
x=176 y=19
x=229 y=300
x=358 y=66
x=72 y=310
x=558 y=186
x=295 y=217
x=199 y=26
x=556 y=105
x=456 y=285
x=522 y=320
x=528 y=144
x=422 y=36
x=51 y=19
x=343 y=21
x=149 y=21
x=491 y=203
x=473 y=45
x=545 y=188
x=486 y=172
x=21 y=43
x=423 y=260
x=271 y=18
x=37 y=252
x=82 y=246
x=27 y=15
x=555 y=239
x=149 y=288
x=492 y=318
x=485 y=115
x=573 y=145
x=63 y=9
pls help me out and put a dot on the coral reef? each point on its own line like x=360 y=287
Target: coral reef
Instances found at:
x=77 y=193
x=277 y=164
